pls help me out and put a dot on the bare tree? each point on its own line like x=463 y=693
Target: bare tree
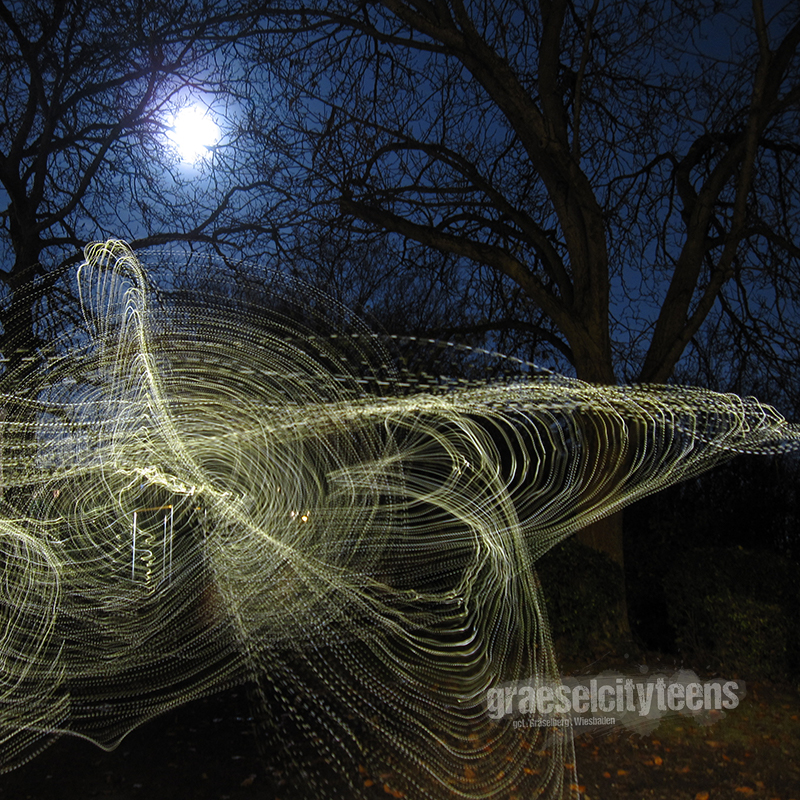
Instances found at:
x=611 y=175
x=587 y=184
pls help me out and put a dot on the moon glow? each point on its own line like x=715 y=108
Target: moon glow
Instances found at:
x=194 y=133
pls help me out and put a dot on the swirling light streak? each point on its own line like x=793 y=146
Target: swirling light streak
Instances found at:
x=198 y=492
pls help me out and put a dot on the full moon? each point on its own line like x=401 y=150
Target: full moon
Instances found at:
x=194 y=133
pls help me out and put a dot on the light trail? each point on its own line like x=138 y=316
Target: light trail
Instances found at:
x=196 y=497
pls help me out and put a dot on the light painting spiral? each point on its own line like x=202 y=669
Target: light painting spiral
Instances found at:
x=199 y=493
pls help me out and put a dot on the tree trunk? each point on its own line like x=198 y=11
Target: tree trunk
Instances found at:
x=606 y=536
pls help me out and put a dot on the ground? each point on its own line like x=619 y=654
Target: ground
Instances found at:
x=207 y=751
x=753 y=753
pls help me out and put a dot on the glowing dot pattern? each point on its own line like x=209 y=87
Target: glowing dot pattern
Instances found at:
x=200 y=492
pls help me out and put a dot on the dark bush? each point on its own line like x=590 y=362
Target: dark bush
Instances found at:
x=737 y=609
x=582 y=588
